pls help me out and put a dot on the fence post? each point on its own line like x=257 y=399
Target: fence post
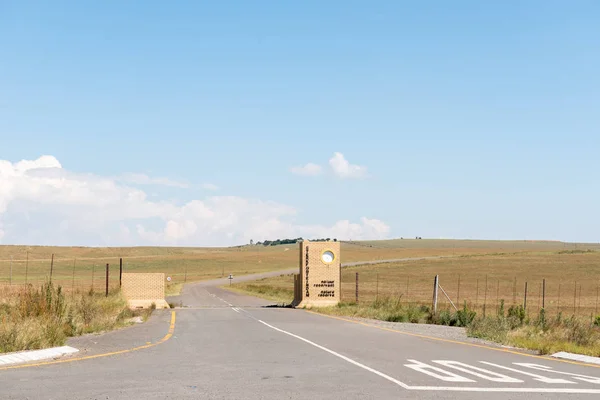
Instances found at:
x=185 y=275
x=377 y=289
x=356 y=290
x=107 y=280
x=544 y=293
x=51 y=266
x=407 y=287
x=10 y=276
x=525 y=299
x=120 y=271
x=515 y=292
x=436 y=282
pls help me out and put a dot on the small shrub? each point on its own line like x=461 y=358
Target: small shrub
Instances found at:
x=501 y=309
x=88 y=309
x=397 y=317
x=558 y=318
x=465 y=316
x=517 y=314
x=414 y=314
x=446 y=318
x=597 y=321
x=541 y=321
x=578 y=332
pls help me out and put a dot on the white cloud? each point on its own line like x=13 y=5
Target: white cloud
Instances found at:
x=342 y=168
x=142 y=179
x=210 y=186
x=368 y=229
x=309 y=169
x=43 y=203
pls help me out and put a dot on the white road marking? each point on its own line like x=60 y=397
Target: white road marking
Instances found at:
x=536 y=377
x=584 y=378
x=478 y=372
x=237 y=310
x=223 y=300
x=438 y=388
x=436 y=372
x=503 y=389
x=351 y=361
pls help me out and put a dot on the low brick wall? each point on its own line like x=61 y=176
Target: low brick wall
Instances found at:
x=143 y=289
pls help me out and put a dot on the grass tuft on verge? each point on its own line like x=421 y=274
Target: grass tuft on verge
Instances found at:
x=37 y=318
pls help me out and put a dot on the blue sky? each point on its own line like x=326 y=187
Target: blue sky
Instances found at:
x=471 y=119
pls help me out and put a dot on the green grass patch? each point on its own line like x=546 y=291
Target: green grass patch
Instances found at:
x=281 y=295
x=173 y=289
x=385 y=309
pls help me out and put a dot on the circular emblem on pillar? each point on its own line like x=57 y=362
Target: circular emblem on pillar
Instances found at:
x=327 y=256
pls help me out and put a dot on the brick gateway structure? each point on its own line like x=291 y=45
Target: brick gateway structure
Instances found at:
x=143 y=289
x=319 y=281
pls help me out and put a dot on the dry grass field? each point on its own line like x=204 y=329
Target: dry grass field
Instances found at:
x=572 y=282
x=84 y=267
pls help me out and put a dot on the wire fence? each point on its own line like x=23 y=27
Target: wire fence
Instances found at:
x=483 y=294
x=95 y=274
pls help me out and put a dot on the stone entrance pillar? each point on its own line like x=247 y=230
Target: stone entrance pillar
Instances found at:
x=319 y=282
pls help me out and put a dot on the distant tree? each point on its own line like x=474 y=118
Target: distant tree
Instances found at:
x=251 y=242
x=334 y=239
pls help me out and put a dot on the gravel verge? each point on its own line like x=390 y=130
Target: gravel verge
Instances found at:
x=437 y=331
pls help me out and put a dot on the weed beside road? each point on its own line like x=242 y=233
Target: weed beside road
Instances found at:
x=35 y=318
x=546 y=335
x=173 y=289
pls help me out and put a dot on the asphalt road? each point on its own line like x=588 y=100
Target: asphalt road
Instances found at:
x=228 y=346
